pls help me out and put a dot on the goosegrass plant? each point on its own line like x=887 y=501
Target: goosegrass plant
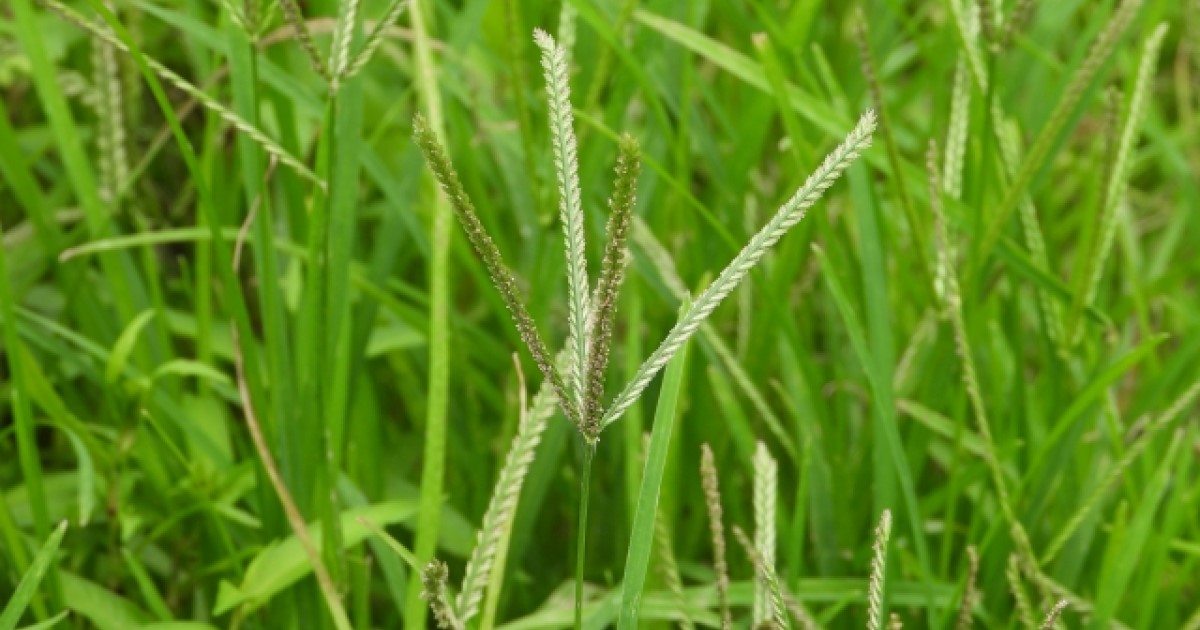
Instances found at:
x=590 y=331
x=994 y=345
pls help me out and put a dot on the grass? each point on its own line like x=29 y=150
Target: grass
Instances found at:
x=983 y=357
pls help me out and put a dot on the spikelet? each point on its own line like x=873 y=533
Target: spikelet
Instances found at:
x=343 y=37
x=968 y=599
x=894 y=622
x=875 y=589
x=1021 y=15
x=775 y=616
x=956 y=133
x=110 y=137
x=566 y=167
x=766 y=481
x=375 y=38
x=503 y=505
x=608 y=286
x=1020 y=598
x=712 y=501
x=785 y=218
x=433 y=581
x=293 y=16
x=1118 y=176
x=485 y=248
x=1054 y=614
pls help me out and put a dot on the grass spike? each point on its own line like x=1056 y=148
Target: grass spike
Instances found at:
x=785 y=218
x=712 y=502
x=433 y=580
x=1021 y=601
x=566 y=167
x=503 y=505
x=776 y=617
x=957 y=130
x=1118 y=175
x=343 y=37
x=295 y=18
x=608 y=286
x=863 y=40
x=1018 y=18
x=375 y=38
x=875 y=590
x=113 y=159
x=963 y=622
x=1052 y=617
x=766 y=482
x=443 y=169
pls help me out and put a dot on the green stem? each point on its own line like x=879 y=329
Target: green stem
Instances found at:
x=585 y=487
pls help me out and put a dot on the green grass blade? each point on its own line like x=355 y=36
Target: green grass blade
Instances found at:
x=28 y=586
x=641 y=542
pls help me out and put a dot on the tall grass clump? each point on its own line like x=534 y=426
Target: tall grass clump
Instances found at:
x=318 y=314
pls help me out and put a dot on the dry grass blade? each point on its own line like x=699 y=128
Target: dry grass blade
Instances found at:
x=291 y=511
x=485 y=248
x=787 y=216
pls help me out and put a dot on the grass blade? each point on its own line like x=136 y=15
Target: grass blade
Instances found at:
x=28 y=585
x=789 y=215
x=642 y=540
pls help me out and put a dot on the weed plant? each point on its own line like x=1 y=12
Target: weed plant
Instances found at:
x=790 y=315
